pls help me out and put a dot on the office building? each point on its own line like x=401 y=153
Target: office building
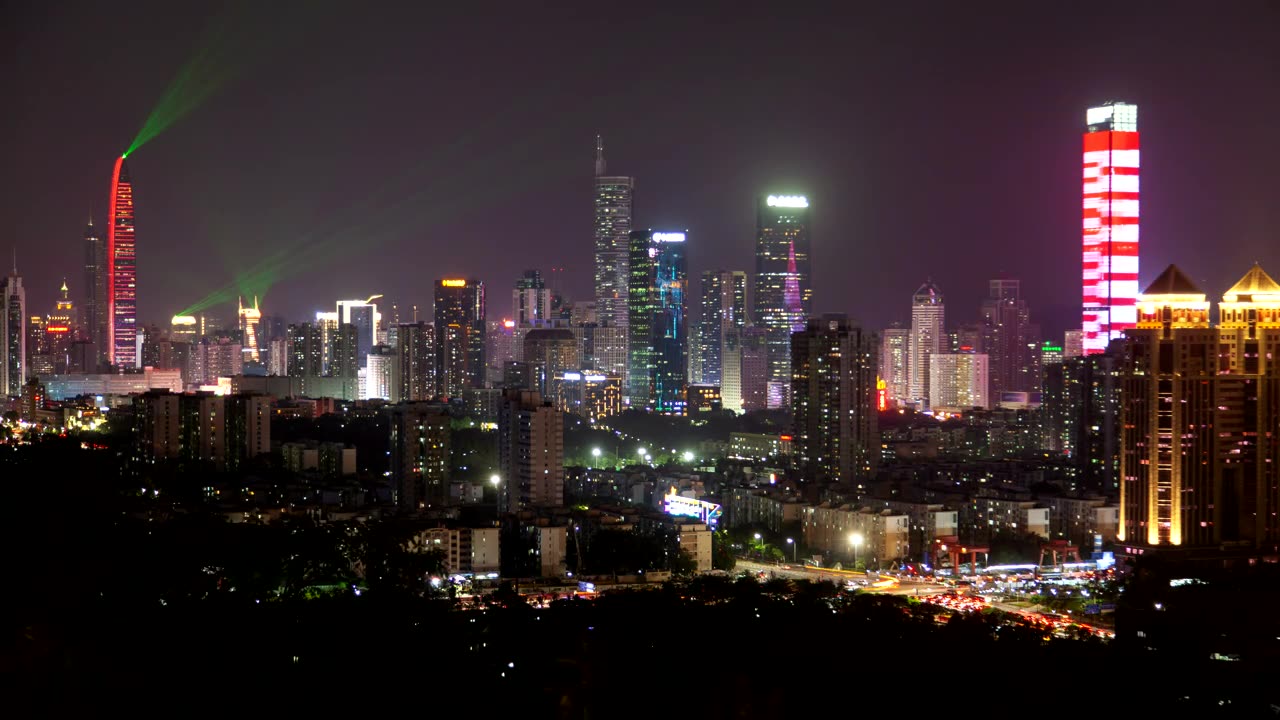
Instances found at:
x=381 y=374
x=1110 y=245
x=530 y=299
x=1200 y=445
x=613 y=206
x=13 y=335
x=419 y=455
x=460 y=336
x=95 y=289
x=1080 y=419
x=783 y=290
x=344 y=359
x=731 y=370
x=363 y=315
x=122 y=275
x=499 y=349
x=723 y=308
x=833 y=392
x=530 y=452
x=306 y=351
x=658 y=333
x=1009 y=339
x=895 y=351
x=589 y=395
x=928 y=330
x=754 y=368
x=550 y=353
x=958 y=382
x=248 y=319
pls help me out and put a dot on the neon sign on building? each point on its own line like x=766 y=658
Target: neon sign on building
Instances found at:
x=1110 y=224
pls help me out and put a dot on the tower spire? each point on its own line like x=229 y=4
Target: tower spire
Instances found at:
x=599 y=155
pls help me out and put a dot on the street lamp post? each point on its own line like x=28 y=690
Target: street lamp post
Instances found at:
x=495 y=480
x=759 y=546
x=855 y=540
x=595 y=454
x=792 y=543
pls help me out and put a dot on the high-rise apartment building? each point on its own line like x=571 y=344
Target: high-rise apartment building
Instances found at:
x=420 y=455
x=415 y=344
x=1009 y=338
x=723 y=309
x=530 y=451
x=13 y=335
x=657 y=326
x=530 y=299
x=833 y=393
x=928 y=332
x=1110 y=268
x=549 y=353
x=895 y=353
x=958 y=382
x=783 y=288
x=612 y=227
x=95 y=289
x=754 y=368
x=1200 y=446
x=460 y=336
x=381 y=374
x=306 y=351
x=122 y=273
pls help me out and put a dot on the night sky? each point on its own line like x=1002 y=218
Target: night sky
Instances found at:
x=387 y=145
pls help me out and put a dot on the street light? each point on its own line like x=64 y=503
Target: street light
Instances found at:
x=855 y=540
x=688 y=456
x=495 y=480
x=792 y=543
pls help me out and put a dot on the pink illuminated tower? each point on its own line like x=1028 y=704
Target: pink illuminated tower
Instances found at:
x=122 y=275
x=1110 y=270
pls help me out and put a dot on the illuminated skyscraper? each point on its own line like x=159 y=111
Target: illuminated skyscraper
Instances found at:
x=415 y=345
x=95 y=289
x=613 y=198
x=364 y=315
x=460 y=336
x=419 y=455
x=723 y=309
x=658 y=334
x=1200 y=446
x=1008 y=333
x=833 y=399
x=895 y=350
x=249 y=318
x=13 y=335
x=928 y=334
x=530 y=299
x=530 y=451
x=783 y=290
x=1110 y=223
x=958 y=381
x=122 y=271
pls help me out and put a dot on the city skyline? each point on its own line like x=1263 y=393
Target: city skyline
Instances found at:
x=187 y=188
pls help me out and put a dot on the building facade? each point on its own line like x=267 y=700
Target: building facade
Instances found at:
x=530 y=451
x=958 y=381
x=612 y=228
x=928 y=333
x=13 y=335
x=95 y=289
x=460 y=336
x=419 y=455
x=1110 y=245
x=122 y=274
x=723 y=310
x=783 y=287
x=658 y=330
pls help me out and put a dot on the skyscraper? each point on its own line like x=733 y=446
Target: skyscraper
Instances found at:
x=928 y=332
x=723 y=308
x=249 y=319
x=460 y=336
x=1110 y=269
x=958 y=381
x=530 y=451
x=833 y=399
x=306 y=351
x=415 y=344
x=122 y=271
x=658 y=334
x=95 y=290
x=419 y=455
x=613 y=206
x=13 y=335
x=895 y=351
x=783 y=291
x=1008 y=332
x=364 y=316
x=530 y=299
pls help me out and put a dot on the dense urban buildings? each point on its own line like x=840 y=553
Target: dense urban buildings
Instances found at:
x=833 y=390
x=122 y=273
x=658 y=329
x=1110 y=223
x=783 y=297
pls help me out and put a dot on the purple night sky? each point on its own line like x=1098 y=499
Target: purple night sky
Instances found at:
x=400 y=142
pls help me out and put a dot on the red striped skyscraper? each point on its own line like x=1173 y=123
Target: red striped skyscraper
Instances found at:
x=122 y=275
x=1110 y=223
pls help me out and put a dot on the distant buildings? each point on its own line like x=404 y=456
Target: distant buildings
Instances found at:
x=958 y=382
x=419 y=455
x=833 y=391
x=1009 y=339
x=222 y=430
x=722 y=311
x=658 y=327
x=96 y=303
x=783 y=283
x=1110 y=245
x=416 y=365
x=928 y=330
x=895 y=353
x=613 y=206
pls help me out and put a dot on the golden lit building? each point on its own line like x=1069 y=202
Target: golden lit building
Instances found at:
x=1200 y=457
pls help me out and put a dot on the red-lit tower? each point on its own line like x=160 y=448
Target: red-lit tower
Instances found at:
x=1110 y=223
x=122 y=274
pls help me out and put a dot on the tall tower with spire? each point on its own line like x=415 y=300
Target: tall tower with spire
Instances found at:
x=612 y=225
x=13 y=333
x=122 y=274
x=783 y=292
x=95 y=289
